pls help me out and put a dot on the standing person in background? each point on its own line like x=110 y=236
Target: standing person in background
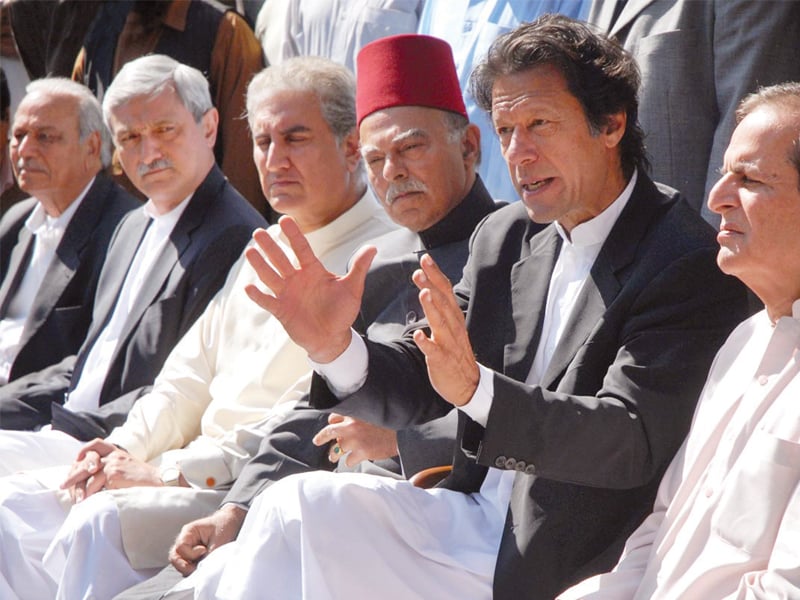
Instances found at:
x=470 y=27
x=335 y=29
x=198 y=33
x=726 y=522
x=697 y=60
x=53 y=245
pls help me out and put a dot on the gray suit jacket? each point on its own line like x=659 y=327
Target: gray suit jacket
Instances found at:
x=208 y=238
x=698 y=58
x=62 y=309
x=590 y=443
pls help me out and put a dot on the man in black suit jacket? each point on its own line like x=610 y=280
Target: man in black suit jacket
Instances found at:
x=575 y=371
x=165 y=261
x=59 y=148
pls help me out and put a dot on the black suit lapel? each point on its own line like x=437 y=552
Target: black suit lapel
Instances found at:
x=606 y=276
x=627 y=14
x=68 y=254
x=20 y=257
x=179 y=240
x=118 y=261
x=530 y=280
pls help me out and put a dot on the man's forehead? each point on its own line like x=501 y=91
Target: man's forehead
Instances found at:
x=46 y=110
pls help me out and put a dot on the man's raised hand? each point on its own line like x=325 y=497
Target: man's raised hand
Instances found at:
x=315 y=306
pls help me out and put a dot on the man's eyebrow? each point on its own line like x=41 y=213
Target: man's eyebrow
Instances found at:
x=295 y=129
x=411 y=133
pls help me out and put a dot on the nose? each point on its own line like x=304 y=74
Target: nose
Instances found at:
x=150 y=148
x=23 y=146
x=276 y=158
x=723 y=196
x=520 y=148
x=394 y=168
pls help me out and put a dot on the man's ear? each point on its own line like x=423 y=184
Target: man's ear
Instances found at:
x=94 y=146
x=210 y=122
x=471 y=145
x=352 y=149
x=614 y=128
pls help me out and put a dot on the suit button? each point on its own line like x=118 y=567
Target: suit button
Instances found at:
x=500 y=462
x=511 y=463
x=411 y=317
x=530 y=470
x=520 y=466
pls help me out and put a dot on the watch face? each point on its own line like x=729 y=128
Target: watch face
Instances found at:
x=170 y=476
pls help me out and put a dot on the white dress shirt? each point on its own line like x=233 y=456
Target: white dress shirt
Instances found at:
x=47 y=233
x=86 y=394
x=726 y=520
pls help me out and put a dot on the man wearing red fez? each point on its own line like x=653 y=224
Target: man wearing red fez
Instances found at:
x=574 y=348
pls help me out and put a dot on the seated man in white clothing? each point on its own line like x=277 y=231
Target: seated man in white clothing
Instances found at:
x=225 y=378
x=726 y=522
x=560 y=348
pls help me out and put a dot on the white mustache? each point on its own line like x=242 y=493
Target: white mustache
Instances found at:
x=24 y=164
x=160 y=163
x=404 y=187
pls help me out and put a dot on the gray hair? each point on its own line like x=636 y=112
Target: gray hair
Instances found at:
x=782 y=95
x=333 y=84
x=90 y=115
x=150 y=75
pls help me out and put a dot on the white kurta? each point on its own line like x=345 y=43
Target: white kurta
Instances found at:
x=220 y=384
x=726 y=522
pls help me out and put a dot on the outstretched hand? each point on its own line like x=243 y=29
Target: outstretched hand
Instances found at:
x=452 y=367
x=315 y=306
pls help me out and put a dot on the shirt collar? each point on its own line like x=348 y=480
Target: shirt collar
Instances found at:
x=167 y=220
x=596 y=230
x=463 y=218
x=39 y=221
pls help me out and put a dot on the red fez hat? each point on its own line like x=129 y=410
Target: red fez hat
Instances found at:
x=407 y=70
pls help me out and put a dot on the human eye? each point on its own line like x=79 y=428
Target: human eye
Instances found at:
x=374 y=160
x=126 y=138
x=165 y=130
x=47 y=137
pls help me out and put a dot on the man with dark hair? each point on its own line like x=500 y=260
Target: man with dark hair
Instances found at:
x=726 y=521
x=575 y=371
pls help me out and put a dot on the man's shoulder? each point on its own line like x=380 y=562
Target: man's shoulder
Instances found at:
x=15 y=216
x=507 y=228
x=218 y=206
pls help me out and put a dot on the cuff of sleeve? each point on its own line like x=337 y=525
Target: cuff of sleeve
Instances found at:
x=347 y=372
x=479 y=405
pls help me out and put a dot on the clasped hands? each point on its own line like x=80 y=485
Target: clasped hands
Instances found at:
x=101 y=465
x=317 y=308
